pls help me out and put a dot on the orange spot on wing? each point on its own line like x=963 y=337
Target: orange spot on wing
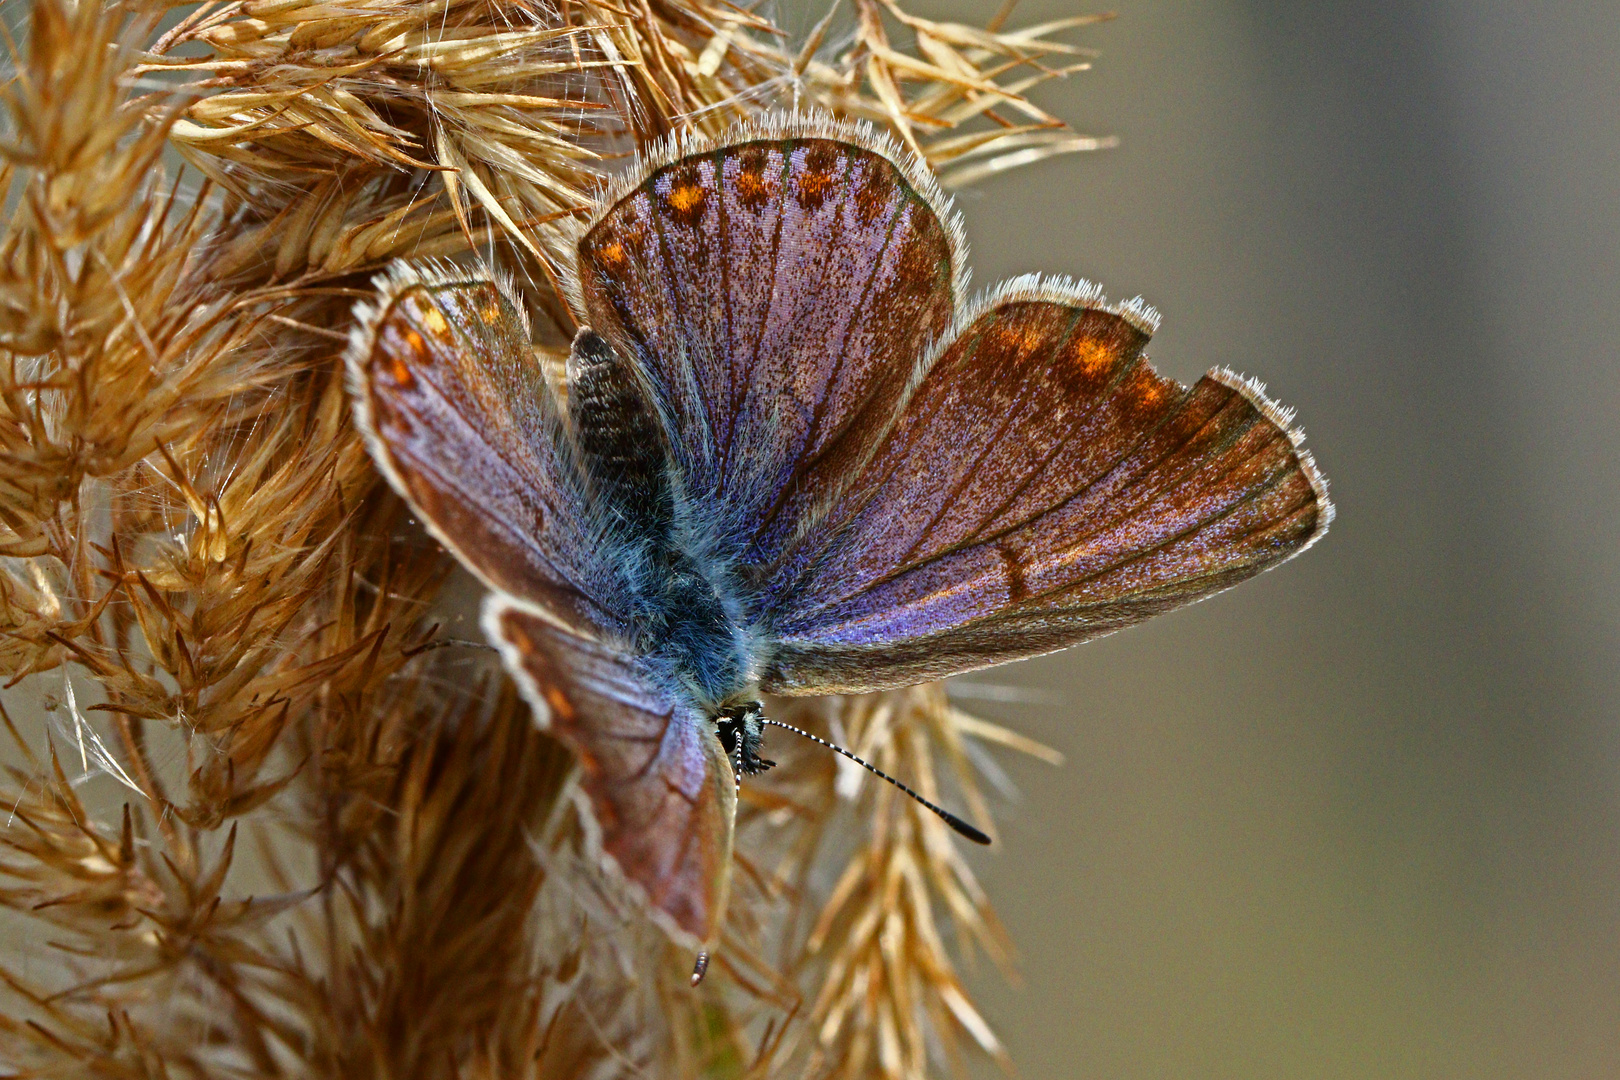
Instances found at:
x=561 y=708
x=398 y=351
x=612 y=254
x=814 y=186
x=401 y=374
x=1151 y=392
x=1092 y=356
x=818 y=177
x=686 y=197
x=752 y=189
x=1013 y=339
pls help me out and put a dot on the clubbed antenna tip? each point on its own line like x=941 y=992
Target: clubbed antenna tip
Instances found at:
x=945 y=815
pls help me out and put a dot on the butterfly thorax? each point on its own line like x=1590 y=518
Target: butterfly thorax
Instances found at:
x=681 y=614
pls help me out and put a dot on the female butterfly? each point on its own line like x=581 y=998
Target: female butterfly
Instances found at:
x=790 y=457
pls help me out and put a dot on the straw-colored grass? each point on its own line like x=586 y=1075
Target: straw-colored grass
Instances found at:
x=265 y=818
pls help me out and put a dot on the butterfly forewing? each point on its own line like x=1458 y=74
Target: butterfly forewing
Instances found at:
x=659 y=796
x=460 y=418
x=778 y=293
x=1043 y=486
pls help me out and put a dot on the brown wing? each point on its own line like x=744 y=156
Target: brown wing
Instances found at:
x=778 y=289
x=458 y=416
x=1043 y=486
x=659 y=797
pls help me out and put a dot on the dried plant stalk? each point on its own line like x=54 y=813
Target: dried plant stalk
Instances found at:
x=262 y=818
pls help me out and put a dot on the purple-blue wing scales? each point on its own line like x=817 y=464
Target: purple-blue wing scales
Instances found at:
x=778 y=290
x=459 y=417
x=1043 y=486
x=657 y=794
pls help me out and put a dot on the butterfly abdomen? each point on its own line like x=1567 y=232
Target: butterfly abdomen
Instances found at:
x=621 y=443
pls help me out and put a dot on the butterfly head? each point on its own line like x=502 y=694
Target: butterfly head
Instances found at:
x=742 y=732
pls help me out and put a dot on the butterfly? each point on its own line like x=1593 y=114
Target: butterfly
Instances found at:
x=790 y=456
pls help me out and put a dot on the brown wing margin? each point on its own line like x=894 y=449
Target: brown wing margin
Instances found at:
x=1044 y=485
x=656 y=793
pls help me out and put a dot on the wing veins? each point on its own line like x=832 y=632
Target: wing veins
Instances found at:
x=1030 y=388
x=564 y=580
x=977 y=536
x=1002 y=534
x=1128 y=558
x=703 y=422
x=806 y=463
x=843 y=527
x=922 y=421
x=724 y=232
x=738 y=405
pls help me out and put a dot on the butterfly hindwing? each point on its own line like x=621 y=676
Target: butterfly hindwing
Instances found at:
x=656 y=790
x=777 y=289
x=1043 y=486
x=459 y=416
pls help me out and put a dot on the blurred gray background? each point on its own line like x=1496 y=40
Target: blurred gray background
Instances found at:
x=1361 y=816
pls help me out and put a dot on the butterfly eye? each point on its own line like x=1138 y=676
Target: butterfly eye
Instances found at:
x=741 y=733
x=727 y=730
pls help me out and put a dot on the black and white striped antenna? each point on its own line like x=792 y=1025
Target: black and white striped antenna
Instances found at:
x=945 y=815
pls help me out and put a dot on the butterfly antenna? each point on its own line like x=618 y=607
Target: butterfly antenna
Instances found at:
x=949 y=818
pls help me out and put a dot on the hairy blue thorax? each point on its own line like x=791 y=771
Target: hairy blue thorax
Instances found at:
x=686 y=613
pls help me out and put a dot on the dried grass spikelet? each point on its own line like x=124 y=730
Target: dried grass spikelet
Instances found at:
x=262 y=819
x=852 y=910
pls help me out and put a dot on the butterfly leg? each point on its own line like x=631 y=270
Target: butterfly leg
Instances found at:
x=741 y=729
